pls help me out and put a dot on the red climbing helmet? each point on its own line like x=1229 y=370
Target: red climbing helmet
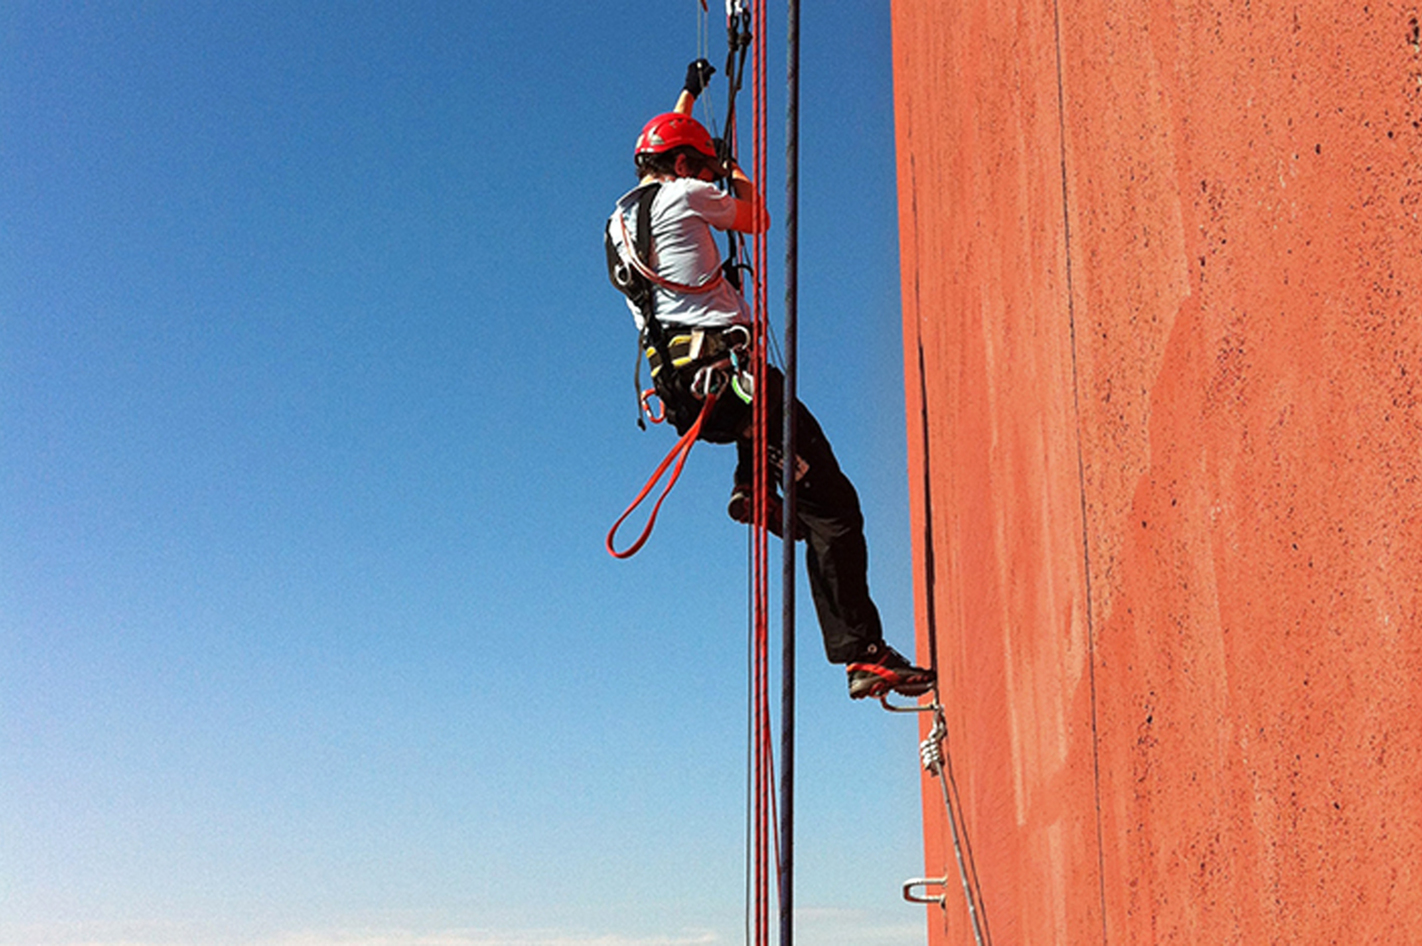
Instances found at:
x=674 y=130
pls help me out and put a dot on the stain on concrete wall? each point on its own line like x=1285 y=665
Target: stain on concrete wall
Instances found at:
x=1162 y=265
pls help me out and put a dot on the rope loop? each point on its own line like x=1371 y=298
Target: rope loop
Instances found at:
x=678 y=454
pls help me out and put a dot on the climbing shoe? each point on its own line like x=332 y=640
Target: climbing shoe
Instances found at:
x=883 y=669
x=742 y=505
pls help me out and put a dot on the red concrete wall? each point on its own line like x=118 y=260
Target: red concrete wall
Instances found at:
x=1162 y=265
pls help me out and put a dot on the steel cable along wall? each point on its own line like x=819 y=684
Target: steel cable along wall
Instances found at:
x=1164 y=264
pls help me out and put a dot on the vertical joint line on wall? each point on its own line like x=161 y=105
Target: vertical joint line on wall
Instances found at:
x=930 y=560
x=1080 y=459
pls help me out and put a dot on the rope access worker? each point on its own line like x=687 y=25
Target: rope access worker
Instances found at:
x=662 y=255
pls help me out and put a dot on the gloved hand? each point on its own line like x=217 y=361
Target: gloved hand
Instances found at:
x=725 y=160
x=698 y=74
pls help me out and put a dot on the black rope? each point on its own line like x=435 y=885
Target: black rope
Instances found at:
x=738 y=41
x=789 y=444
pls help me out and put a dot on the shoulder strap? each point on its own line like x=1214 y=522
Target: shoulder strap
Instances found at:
x=643 y=249
x=643 y=239
x=635 y=286
x=625 y=276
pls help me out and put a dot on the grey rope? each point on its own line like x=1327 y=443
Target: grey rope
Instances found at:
x=930 y=751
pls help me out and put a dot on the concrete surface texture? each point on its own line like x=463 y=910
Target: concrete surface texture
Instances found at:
x=1162 y=265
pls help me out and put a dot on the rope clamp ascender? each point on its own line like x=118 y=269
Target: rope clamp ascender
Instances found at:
x=738 y=14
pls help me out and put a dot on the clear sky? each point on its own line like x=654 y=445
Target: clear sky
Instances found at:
x=315 y=406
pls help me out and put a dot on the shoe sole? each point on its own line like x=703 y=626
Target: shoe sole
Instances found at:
x=875 y=689
x=879 y=682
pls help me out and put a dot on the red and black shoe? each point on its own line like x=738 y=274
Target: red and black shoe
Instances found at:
x=884 y=669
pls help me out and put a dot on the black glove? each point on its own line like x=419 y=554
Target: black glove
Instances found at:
x=697 y=75
x=723 y=155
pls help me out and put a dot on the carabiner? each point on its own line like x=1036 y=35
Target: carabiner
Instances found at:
x=709 y=380
x=645 y=398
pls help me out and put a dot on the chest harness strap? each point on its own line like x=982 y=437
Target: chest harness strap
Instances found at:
x=634 y=277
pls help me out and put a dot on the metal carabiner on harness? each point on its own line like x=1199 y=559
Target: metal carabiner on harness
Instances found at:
x=710 y=379
x=737 y=338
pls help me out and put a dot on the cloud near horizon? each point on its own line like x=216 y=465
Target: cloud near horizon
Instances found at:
x=815 y=926
x=488 y=938
x=459 y=937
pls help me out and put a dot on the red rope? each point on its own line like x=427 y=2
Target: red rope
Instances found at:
x=763 y=777
x=679 y=453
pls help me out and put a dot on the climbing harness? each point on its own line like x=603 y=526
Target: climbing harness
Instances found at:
x=710 y=355
x=626 y=263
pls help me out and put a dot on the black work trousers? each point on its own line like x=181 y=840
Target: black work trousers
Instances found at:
x=827 y=508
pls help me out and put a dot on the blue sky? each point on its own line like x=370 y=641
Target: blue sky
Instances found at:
x=315 y=406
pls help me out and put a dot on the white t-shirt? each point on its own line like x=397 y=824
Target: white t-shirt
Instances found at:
x=684 y=250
